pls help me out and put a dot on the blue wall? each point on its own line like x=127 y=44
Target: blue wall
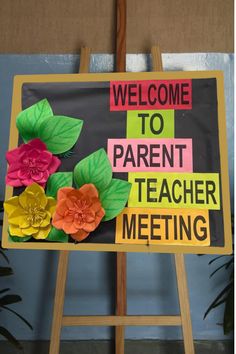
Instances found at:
x=91 y=278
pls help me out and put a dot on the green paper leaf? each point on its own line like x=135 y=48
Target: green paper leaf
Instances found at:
x=58 y=180
x=57 y=235
x=19 y=239
x=95 y=169
x=60 y=133
x=29 y=120
x=66 y=154
x=114 y=198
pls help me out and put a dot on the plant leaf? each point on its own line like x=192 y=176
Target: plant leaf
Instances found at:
x=225 y=265
x=29 y=120
x=10 y=299
x=228 y=264
x=114 y=198
x=4 y=256
x=4 y=290
x=95 y=169
x=57 y=235
x=219 y=303
x=18 y=315
x=5 y=271
x=219 y=297
x=215 y=259
x=6 y=334
x=58 y=180
x=60 y=133
x=229 y=312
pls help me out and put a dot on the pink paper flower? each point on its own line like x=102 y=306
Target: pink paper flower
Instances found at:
x=30 y=163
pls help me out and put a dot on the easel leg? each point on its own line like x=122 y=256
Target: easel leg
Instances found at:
x=120 y=300
x=179 y=258
x=121 y=257
x=59 y=302
x=184 y=303
x=64 y=255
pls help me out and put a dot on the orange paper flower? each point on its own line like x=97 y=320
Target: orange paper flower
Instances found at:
x=78 y=211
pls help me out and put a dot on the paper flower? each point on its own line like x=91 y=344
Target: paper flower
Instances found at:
x=30 y=163
x=30 y=213
x=78 y=211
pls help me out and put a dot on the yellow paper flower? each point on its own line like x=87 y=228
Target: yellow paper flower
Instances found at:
x=30 y=213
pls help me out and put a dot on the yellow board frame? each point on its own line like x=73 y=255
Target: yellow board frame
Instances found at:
x=19 y=80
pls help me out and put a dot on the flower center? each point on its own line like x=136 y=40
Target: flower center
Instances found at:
x=29 y=162
x=32 y=165
x=79 y=211
x=35 y=214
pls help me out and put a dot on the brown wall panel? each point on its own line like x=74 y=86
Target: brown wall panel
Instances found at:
x=57 y=26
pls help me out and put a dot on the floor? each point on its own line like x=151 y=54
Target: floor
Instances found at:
x=132 y=347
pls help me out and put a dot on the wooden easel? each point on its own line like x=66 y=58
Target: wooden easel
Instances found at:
x=120 y=320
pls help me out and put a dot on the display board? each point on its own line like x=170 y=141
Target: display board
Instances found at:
x=118 y=162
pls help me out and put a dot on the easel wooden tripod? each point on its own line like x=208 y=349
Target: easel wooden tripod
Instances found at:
x=120 y=320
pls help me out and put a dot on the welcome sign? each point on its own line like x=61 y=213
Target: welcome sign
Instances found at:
x=154 y=146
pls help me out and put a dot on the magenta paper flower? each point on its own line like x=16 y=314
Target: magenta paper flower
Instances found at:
x=30 y=163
